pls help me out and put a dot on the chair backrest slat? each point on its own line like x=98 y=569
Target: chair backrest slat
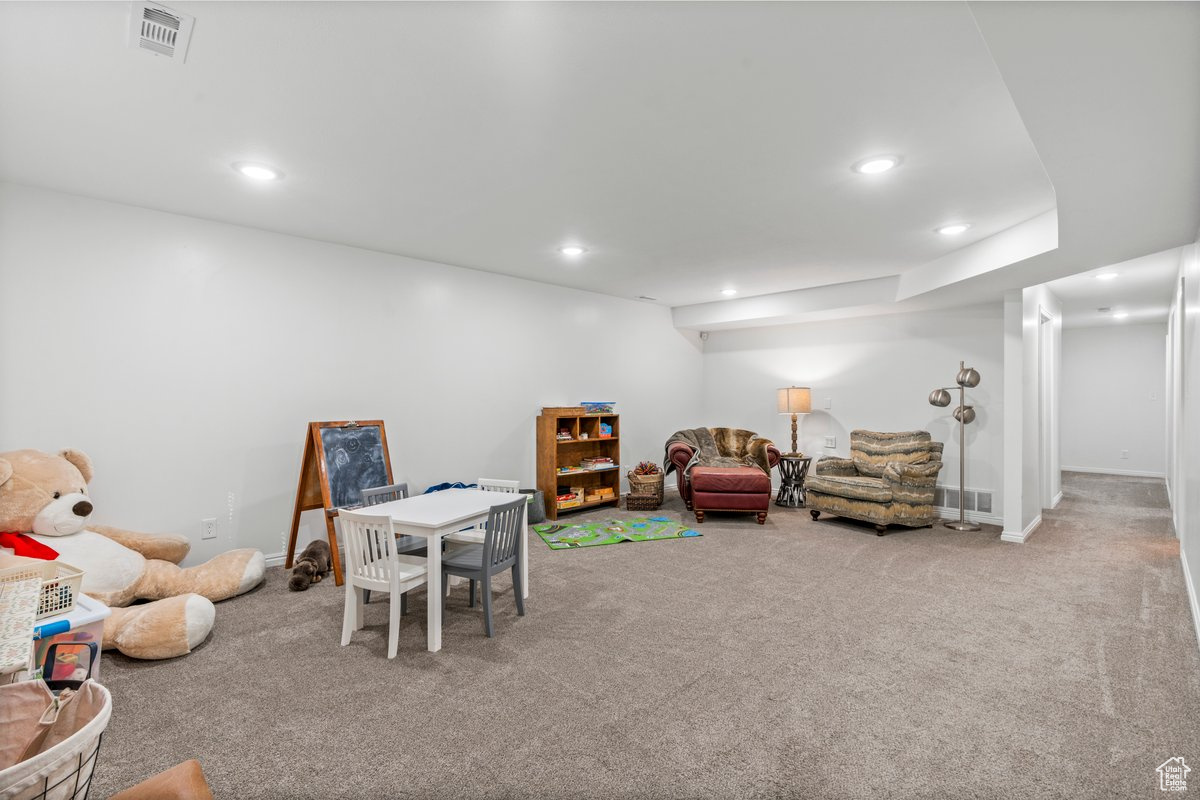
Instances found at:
x=384 y=494
x=503 y=531
x=370 y=544
x=499 y=485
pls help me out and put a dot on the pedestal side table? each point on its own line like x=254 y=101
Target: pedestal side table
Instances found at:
x=792 y=471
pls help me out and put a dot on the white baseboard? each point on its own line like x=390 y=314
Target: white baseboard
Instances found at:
x=1023 y=536
x=1129 y=473
x=1191 y=590
x=1056 y=500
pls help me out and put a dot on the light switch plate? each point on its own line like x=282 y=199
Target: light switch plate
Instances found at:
x=831 y=441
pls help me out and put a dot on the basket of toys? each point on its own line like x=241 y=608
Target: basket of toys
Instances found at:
x=60 y=582
x=645 y=487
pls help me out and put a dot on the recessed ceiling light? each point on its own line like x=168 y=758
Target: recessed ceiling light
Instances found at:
x=876 y=164
x=729 y=292
x=258 y=172
x=572 y=250
x=952 y=229
x=1120 y=314
x=1106 y=276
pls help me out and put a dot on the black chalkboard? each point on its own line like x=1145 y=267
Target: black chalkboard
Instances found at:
x=354 y=460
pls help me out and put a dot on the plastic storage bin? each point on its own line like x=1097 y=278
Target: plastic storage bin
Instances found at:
x=82 y=625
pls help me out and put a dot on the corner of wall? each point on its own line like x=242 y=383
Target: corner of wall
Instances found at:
x=1023 y=536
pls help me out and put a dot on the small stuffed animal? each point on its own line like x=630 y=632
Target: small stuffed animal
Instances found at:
x=311 y=566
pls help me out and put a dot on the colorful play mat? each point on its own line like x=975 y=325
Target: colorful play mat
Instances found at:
x=593 y=534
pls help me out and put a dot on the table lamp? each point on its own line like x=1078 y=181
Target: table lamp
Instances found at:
x=795 y=400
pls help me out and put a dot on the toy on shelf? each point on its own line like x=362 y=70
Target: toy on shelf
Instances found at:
x=605 y=407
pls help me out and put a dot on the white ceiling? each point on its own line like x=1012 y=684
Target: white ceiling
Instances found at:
x=690 y=147
x=1142 y=289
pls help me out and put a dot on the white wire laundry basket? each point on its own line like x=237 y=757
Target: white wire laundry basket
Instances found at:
x=64 y=771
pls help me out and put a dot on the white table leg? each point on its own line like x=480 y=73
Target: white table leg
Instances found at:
x=433 y=592
x=524 y=545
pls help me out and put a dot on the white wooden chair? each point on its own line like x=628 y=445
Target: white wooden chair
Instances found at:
x=373 y=564
x=475 y=535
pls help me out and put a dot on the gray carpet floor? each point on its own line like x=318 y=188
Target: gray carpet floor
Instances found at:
x=798 y=659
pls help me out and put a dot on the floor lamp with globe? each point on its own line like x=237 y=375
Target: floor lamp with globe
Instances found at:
x=967 y=378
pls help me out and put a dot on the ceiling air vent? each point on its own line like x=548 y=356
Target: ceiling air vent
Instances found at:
x=159 y=30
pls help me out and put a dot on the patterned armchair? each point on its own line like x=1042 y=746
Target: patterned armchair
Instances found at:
x=889 y=478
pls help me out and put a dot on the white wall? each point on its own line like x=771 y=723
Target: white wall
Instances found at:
x=877 y=372
x=186 y=358
x=1113 y=400
x=1185 y=430
x=1031 y=465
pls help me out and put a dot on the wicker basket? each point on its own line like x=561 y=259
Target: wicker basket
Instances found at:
x=562 y=411
x=60 y=583
x=645 y=492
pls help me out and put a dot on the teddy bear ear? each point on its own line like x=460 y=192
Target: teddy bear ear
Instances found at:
x=81 y=462
x=5 y=471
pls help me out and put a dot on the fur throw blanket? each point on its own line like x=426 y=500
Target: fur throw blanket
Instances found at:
x=721 y=447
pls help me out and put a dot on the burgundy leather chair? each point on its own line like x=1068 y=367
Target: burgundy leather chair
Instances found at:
x=723 y=488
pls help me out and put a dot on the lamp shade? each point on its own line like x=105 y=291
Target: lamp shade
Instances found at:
x=968 y=377
x=795 y=400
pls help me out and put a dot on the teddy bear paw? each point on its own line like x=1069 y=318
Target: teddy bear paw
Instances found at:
x=162 y=629
x=252 y=575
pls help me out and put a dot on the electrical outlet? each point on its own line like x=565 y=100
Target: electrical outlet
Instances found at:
x=208 y=528
x=831 y=441
x=1124 y=454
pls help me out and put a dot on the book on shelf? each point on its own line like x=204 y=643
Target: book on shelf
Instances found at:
x=596 y=462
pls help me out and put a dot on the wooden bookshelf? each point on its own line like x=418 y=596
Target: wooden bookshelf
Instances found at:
x=584 y=442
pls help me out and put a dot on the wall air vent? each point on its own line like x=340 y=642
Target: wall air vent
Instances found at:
x=159 y=30
x=973 y=499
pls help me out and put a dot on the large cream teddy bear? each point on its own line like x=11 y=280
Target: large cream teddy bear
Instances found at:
x=45 y=497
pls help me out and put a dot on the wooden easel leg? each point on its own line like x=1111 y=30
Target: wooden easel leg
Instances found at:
x=304 y=478
x=335 y=561
x=291 y=550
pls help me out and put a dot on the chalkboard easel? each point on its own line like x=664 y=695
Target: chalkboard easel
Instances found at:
x=340 y=460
